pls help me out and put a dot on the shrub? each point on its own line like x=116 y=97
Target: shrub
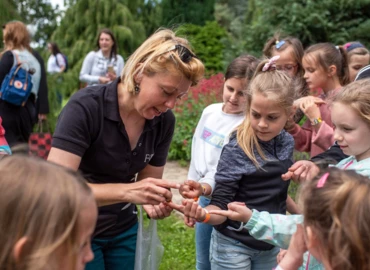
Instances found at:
x=188 y=112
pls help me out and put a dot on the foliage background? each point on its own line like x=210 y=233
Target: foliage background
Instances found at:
x=219 y=31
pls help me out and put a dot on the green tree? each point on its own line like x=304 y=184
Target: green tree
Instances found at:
x=77 y=37
x=231 y=15
x=40 y=14
x=191 y=11
x=336 y=21
x=8 y=12
x=206 y=43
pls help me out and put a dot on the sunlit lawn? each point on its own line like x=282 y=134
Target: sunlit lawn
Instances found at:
x=179 y=244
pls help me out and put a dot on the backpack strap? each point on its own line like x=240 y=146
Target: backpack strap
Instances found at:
x=16 y=59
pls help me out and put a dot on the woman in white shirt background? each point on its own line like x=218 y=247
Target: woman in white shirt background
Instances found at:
x=56 y=62
x=104 y=64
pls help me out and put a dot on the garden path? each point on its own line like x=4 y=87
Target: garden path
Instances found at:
x=174 y=172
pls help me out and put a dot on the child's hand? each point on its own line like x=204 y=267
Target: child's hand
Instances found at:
x=191 y=189
x=297 y=247
x=310 y=109
x=300 y=171
x=236 y=211
x=193 y=210
x=281 y=255
x=297 y=103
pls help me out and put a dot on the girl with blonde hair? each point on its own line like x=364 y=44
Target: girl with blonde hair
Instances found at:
x=249 y=171
x=47 y=217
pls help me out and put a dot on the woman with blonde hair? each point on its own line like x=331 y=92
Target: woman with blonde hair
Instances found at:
x=18 y=121
x=114 y=131
x=47 y=217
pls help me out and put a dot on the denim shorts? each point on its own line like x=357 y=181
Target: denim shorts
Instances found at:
x=228 y=253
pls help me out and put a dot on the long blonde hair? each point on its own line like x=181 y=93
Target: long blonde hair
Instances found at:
x=275 y=85
x=156 y=55
x=338 y=211
x=356 y=95
x=40 y=201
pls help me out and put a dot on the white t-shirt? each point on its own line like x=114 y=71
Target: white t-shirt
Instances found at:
x=53 y=67
x=212 y=132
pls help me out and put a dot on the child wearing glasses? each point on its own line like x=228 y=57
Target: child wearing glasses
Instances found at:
x=118 y=132
x=290 y=50
x=326 y=68
x=215 y=125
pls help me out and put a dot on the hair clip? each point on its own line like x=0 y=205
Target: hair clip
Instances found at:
x=270 y=63
x=349 y=46
x=279 y=44
x=322 y=180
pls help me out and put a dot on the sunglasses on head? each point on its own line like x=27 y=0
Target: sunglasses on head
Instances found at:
x=184 y=53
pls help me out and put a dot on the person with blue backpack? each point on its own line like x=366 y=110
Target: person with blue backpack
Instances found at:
x=20 y=74
x=57 y=62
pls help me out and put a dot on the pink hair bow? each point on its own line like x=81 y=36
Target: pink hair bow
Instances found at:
x=270 y=63
x=322 y=180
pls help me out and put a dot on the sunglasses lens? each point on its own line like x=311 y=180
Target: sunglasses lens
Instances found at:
x=184 y=53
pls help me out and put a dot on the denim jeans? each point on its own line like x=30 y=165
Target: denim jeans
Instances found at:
x=203 y=233
x=115 y=253
x=228 y=253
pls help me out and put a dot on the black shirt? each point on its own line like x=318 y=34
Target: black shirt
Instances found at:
x=90 y=126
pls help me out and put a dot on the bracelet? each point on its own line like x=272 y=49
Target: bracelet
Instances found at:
x=208 y=216
x=204 y=190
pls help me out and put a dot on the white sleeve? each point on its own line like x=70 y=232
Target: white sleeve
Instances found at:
x=60 y=60
x=87 y=65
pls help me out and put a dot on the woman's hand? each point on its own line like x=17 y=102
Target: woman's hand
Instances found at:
x=301 y=171
x=236 y=211
x=150 y=191
x=111 y=75
x=158 y=211
x=104 y=80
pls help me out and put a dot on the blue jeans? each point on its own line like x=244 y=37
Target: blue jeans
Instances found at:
x=115 y=253
x=228 y=253
x=202 y=240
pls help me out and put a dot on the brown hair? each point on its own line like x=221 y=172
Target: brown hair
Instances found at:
x=275 y=85
x=326 y=54
x=242 y=67
x=16 y=36
x=295 y=43
x=355 y=48
x=157 y=54
x=40 y=201
x=54 y=48
x=339 y=214
x=357 y=96
x=113 y=51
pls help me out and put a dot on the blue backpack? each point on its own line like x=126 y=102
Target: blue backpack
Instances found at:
x=17 y=84
x=65 y=61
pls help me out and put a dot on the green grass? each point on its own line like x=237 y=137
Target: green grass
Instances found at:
x=179 y=244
